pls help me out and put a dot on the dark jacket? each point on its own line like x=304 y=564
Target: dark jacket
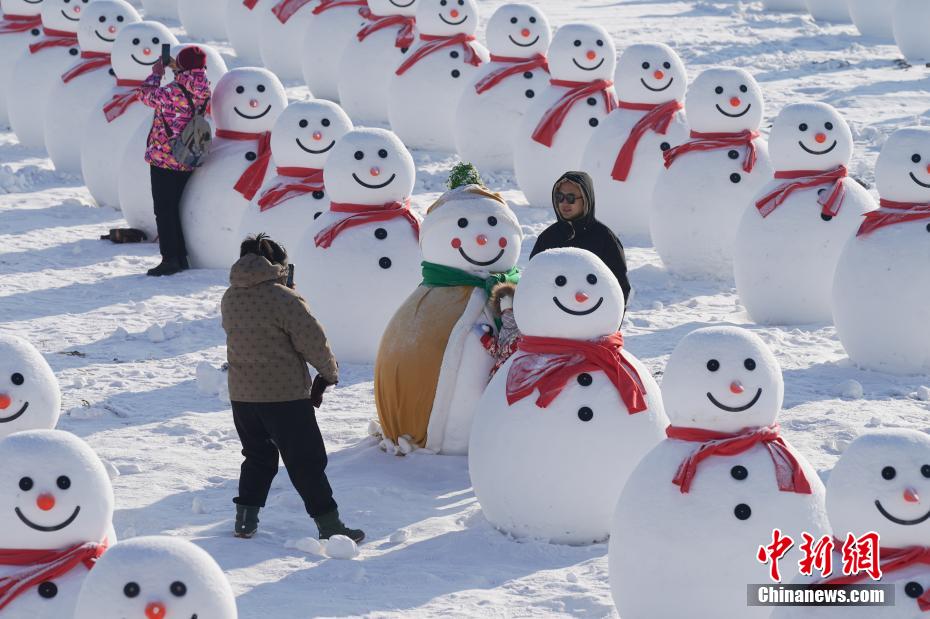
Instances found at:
x=586 y=232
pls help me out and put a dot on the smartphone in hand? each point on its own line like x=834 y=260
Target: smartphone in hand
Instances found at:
x=165 y=54
x=290 y=276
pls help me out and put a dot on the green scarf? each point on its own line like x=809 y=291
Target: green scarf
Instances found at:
x=441 y=276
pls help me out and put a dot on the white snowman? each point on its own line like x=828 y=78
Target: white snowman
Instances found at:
x=499 y=93
x=694 y=513
x=709 y=181
x=570 y=415
x=372 y=56
x=559 y=123
x=29 y=394
x=357 y=262
x=156 y=577
x=833 y=11
x=909 y=21
x=74 y=97
x=332 y=26
x=281 y=28
x=624 y=156
x=36 y=72
x=788 y=246
x=426 y=87
x=204 y=20
x=882 y=284
x=118 y=114
x=58 y=504
x=160 y=9
x=241 y=16
x=302 y=139
x=20 y=25
x=785 y=5
x=873 y=19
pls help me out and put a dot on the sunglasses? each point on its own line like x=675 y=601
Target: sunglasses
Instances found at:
x=566 y=197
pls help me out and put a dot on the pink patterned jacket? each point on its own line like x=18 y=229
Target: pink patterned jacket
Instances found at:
x=171 y=110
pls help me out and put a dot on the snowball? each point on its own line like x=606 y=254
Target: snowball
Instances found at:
x=341 y=547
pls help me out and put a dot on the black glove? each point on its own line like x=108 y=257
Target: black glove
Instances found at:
x=316 y=391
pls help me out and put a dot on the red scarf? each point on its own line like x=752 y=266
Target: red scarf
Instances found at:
x=363 y=214
x=550 y=363
x=892 y=213
x=12 y=24
x=94 y=61
x=513 y=66
x=249 y=4
x=788 y=471
x=286 y=9
x=43 y=565
x=311 y=179
x=892 y=560
x=121 y=102
x=404 y=34
x=717 y=141
x=434 y=44
x=326 y=5
x=253 y=177
x=552 y=120
x=657 y=118
x=807 y=179
x=54 y=38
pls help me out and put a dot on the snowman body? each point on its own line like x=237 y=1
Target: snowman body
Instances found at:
x=160 y=9
x=784 y=5
x=328 y=34
x=833 y=11
x=15 y=43
x=280 y=42
x=908 y=20
x=242 y=31
x=874 y=19
x=203 y=20
x=30 y=398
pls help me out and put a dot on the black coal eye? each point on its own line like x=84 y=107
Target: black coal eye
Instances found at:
x=713 y=365
x=802 y=127
x=600 y=43
x=743 y=88
x=492 y=220
x=443 y=2
x=739 y=473
x=303 y=123
x=64 y=482
x=463 y=223
x=913 y=590
x=925 y=470
x=592 y=279
x=532 y=20
x=667 y=65
x=240 y=89
x=17 y=379
x=577 y=43
x=828 y=126
x=461 y=2
x=382 y=153
x=513 y=20
x=102 y=19
x=132 y=589
x=156 y=40
x=136 y=41
x=889 y=473
x=749 y=364
x=25 y=484
x=119 y=18
x=916 y=158
x=260 y=88
x=719 y=90
x=178 y=589
x=646 y=65
x=325 y=122
x=561 y=280
x=359 y=155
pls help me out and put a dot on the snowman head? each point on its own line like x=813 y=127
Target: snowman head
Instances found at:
x=582 y=53
x=810 y=136
x=102 y=21
x=472 y=229
x=902 y=172
x=443 y=18
x=650 y=73
x=306 y=132
x=369 y=166
x=64 y=15
x=55 y=491
x=26 y=8
x=248 y=100
x=29 y=394
x=723 y=379
x=393 y=7
x=568 y=293
x=137 y=48
x=518 y=31
x=156 y=577
x=881 y=483
x=724 y=101
x=216 y=66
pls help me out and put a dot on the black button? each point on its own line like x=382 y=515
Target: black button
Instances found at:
x=665 y=146
x=733 y=154
x=48 y=590
x=739 y=473
x=826 y=217
x=381 y=234
x=913 y=590
x=404 y=50
x=456 y=73
x=928 y=227
x=594 y=122
x=250 y=156
x=585 y=413
x=112 y=73
x=318 y=195
x=528 y=75
x=317 y=214
x=592 y=101
x=35 y=32
x=384 y=263
x=584 y=379
x=453 y=54
x=735 y=178
x=530 y=94
x=73 y=51
x=742 y=511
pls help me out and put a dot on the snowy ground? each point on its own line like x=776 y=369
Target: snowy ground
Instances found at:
x=125 y=348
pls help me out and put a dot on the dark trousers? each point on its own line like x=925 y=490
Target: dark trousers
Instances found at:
x=167 y=189
x=288 y=428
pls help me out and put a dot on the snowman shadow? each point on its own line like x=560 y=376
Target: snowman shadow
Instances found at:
x=17 y=221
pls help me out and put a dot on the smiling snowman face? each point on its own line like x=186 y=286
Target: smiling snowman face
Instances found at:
x=810 y=136
x=64 y=15
x=138 y=47
x=369 y=166
x=650 y=73
x=568 y=293
x=902 y=172
x=156 y=577
x=248 y=100
x=29 y=394
x=518 y=31
x=725 y=101
x=447 y=17
x=393 y=7
x=582 y=53
x=306 y=132
x=723 y=379
x=55 y=491
x=22 y=7
x=102 y=21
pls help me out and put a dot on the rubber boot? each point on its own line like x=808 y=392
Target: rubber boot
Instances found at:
x=246 y=521
x=330 y=524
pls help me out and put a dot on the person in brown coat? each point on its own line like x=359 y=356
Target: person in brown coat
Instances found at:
x=271 y=336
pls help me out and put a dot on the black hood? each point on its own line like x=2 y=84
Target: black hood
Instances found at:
x=583 y=180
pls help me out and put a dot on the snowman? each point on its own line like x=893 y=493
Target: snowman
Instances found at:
x=432 y=367
x=281 y=28
x=156 y=577
x=787 y=247
x=246 y=104
x=203 y=19
x=357 y=261
x=570 y=415
x=36 y=71
x=372 y=56
x=497 y=96
x=624 y=156
x=20 y=25
x=694 y=513
x=563 y=116
x=118 y=114
x=55 y=523
x=75 y=96
x=833 y=11
x=882 y=284
x=873 y=19
x=710 y=180
x=241 y=16
x=426 y=87
x=909 y=19
x=332 y=26
x=29 y=394
x=302 y=139
x=160 y=9
x=787 y=5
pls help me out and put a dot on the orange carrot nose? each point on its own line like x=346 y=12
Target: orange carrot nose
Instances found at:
x=146 y=52
x=5 y=401
x=658 y=75
x=77 y=9
x=454 y=13
x=581 y=297
x=911 y=496
x=591 y=54
x=481 y=240
x=737 y=387
x=112 y=29
x=525 y=32
x=45 y=502
x=317 y=136
x=821 y=138
x=375 y=171
x=155 y=610
x=253 y=103
x=735 y=102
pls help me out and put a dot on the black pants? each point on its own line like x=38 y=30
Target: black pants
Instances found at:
x=288 y=428
x=167 y=189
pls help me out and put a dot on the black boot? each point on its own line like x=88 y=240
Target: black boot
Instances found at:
x=330 y=524
x=246 y=521
x=167 y=267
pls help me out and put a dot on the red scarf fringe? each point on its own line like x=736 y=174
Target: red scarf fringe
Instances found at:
x=892 y=213
x=253 y=177
x=513 y=66
x=434 y=44
x=406 y=25
x=311 y=179
x=658 y=118
x=364 y=214
x=807 y=179
x=552 y=121
x=701 y=142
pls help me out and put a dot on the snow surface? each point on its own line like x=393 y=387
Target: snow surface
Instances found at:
x=126 y=349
